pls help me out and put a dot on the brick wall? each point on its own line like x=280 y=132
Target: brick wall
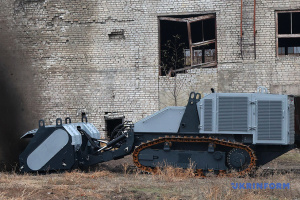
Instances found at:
x=102 y=57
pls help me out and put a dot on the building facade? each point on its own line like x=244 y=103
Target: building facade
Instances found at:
x=104 y=58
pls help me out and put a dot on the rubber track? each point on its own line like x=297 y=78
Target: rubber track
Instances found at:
x=199 y=172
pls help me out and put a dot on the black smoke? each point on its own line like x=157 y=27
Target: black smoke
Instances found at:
x=16 y=110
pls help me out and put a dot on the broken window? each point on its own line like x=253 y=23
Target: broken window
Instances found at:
x=288 y=33
x=181 y=35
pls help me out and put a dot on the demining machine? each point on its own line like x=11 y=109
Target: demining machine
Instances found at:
x=221 y=133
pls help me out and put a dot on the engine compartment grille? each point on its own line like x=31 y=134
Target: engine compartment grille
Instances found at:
x=208 y=117
x=269 y=120
x=233 y=113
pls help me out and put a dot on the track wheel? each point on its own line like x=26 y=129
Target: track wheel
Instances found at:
x=238 y=159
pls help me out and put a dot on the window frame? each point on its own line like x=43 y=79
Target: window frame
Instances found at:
x=277 y=35
x=188 y=21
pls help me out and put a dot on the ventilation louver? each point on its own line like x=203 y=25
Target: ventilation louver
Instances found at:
x=269 y=120
x=233 y=114
x=208 y=115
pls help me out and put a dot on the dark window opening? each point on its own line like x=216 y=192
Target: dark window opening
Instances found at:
x=173 y=42
x=288 y=46
x=288 y=33
x=197 y=31
x=295 y=22
x=111 y=124
x=209 y=29
x=179 y=35
x=297 y=118
x=116 y=35
x=284 y=23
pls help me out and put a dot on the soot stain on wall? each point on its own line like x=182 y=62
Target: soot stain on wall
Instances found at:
x=16 y=81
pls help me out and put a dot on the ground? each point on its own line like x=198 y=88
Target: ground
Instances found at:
x=120 y=180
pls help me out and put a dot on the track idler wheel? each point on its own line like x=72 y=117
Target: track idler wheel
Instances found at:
x=238 y=159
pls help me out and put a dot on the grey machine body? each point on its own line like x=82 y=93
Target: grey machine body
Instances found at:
x=263 y=121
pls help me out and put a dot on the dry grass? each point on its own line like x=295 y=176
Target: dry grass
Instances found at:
x=172 y=174
x=170 y=183
x=122 y=181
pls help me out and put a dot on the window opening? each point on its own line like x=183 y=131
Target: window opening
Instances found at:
x=288 y=33
x=116 y=35
x=297 y=118
x=181 y=35
x=111 y=124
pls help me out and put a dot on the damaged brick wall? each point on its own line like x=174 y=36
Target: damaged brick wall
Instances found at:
x=102 y=57
x=88 y=56
x=236 y=73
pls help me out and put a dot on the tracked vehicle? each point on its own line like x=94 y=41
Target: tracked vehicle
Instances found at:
x=224 y=133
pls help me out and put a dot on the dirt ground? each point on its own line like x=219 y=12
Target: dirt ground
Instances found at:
x=289 y=160
x=121 y=180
